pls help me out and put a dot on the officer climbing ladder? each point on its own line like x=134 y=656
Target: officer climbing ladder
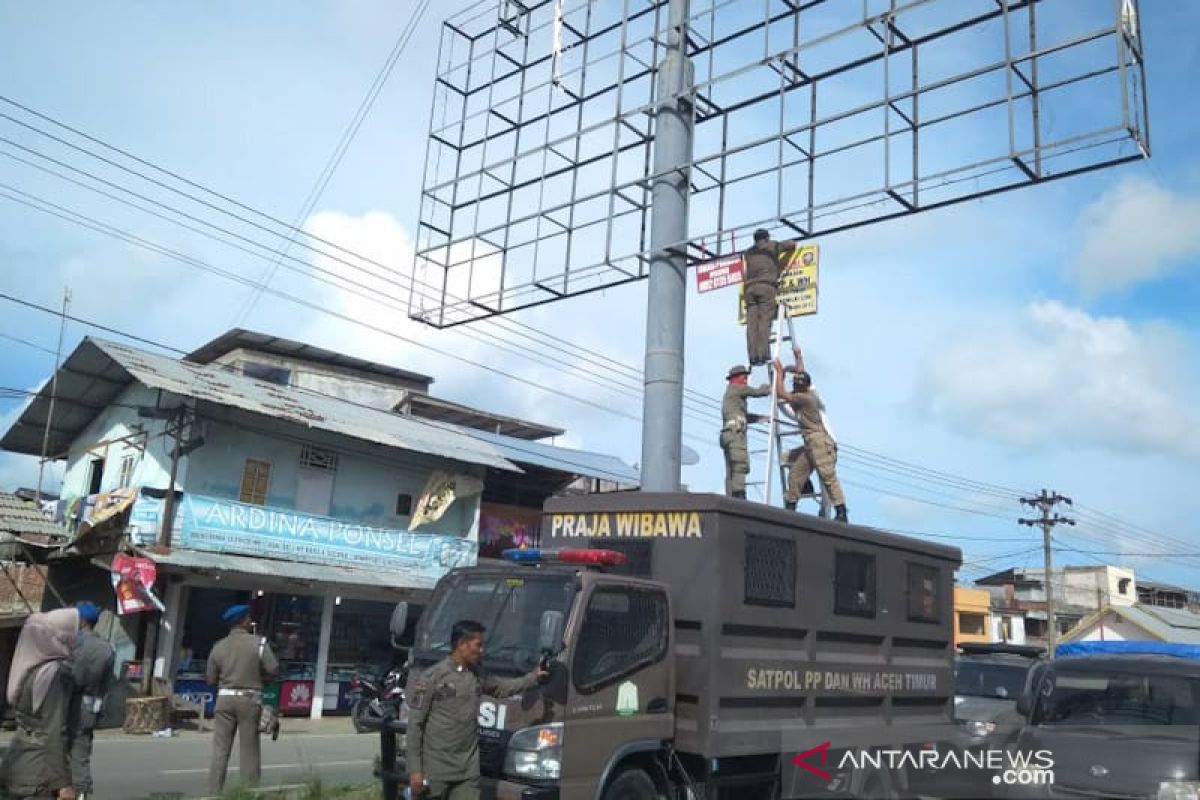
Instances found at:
x=774 y=293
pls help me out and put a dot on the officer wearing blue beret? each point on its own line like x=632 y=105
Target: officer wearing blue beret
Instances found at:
x=238 y=666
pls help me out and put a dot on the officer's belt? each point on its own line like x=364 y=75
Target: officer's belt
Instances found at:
x=239 y=692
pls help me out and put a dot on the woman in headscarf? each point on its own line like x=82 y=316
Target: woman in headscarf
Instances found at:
x=37 y=763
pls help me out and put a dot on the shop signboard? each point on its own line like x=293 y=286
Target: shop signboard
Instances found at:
x=226 y=526
x=295 y=697
x=271 y=694
x=197 y=691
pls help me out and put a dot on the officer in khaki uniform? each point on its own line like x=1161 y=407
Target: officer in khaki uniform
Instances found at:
x=734 y=420
x=237 y=666
x=819 y=451
x=92 y=669
x=761 y=285
x=442 y=746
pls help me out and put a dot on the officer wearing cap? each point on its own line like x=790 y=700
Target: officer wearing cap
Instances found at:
x=761 y=284
x=237 y=666
x=734 y=419
x=820 y=449
x=92 y=669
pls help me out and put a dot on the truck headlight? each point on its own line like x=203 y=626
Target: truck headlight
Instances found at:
x=1179 y=790
x=535 y=753
x=977 y=727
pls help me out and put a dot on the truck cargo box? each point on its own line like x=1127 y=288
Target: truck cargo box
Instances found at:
x=790 y=630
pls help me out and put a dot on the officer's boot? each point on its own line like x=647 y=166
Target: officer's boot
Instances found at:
x=841 y=513
x=790 y=505
x=739 y=495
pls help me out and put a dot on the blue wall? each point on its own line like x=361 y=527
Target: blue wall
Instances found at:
x=365 y=487
x=368 y=478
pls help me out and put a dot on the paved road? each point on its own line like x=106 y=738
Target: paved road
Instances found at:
x=128 y=767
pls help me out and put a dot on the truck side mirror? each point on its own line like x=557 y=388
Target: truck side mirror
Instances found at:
x=551 y=631
x=399 y=622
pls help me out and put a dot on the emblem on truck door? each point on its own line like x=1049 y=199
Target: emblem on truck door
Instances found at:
x=627 y=699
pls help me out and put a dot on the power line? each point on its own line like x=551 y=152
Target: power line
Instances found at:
x=894 y=464
x=336 y=280
x=26 y=342
x=343 y=145
x=96 y=325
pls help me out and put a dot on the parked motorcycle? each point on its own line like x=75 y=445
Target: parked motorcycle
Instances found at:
x=372 y=701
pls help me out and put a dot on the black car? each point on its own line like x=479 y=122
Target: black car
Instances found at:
x=1114 y=726
x=988 y=681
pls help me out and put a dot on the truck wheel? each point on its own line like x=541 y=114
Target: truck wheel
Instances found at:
x=631 y=784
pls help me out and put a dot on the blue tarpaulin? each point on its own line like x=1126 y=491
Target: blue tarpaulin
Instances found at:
x=1114 y=648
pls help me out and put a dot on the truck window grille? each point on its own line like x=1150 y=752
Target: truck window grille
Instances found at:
x=623 y=630
x=770 y=571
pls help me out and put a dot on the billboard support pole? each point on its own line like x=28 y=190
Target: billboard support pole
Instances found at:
x=666 y=300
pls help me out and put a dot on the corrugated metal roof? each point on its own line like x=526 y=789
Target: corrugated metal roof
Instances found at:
x=578 y=462
x=20 y=518
x=240 y=338
x=326 y=574
x=1167 y=624
x=97 y=371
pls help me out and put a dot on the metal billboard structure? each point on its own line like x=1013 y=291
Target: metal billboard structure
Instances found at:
x=810 y=117
x=558 y=125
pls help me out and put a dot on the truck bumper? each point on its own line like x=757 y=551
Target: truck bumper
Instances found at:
x=496 y=789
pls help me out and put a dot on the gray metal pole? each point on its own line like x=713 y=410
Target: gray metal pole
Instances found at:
x=662 y=404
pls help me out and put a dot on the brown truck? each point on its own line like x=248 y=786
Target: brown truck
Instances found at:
x=736 y=651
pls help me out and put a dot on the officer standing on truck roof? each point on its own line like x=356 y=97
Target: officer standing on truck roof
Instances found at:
x=761 y=285
x=819 y=450
x=734 y=419
x=442 y=746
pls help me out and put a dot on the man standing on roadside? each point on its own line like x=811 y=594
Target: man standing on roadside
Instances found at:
x=237 y=666
x=442 y=748
x=93 y=659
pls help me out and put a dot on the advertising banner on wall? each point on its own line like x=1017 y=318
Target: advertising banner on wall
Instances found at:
x=226 y=526
x=133 y=580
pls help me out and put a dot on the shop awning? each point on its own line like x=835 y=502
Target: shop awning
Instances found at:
x=269 y=572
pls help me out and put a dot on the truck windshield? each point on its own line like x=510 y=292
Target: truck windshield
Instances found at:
x=1005 y=681
x=509 y=606
x=1091 y=699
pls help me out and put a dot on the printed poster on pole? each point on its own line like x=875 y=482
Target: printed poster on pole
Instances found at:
x=797 y=284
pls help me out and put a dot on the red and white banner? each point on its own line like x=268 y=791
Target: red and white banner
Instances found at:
x=719 y=274
x=133 y=580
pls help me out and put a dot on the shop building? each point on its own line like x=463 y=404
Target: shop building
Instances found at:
x=300 y=477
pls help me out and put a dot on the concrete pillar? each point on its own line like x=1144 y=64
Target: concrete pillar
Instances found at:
x=170 y=632
x=318 y=701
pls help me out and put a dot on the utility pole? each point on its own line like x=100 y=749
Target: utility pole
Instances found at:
x=666 y=296
x=62 y=325
x=1045 y=502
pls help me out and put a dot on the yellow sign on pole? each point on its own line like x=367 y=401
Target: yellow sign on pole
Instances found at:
x=797 y=283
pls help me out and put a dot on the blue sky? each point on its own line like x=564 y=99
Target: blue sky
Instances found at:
x=1041 y=338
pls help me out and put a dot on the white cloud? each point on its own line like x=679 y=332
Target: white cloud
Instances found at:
x=1058 y=376
x=1137 y=231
